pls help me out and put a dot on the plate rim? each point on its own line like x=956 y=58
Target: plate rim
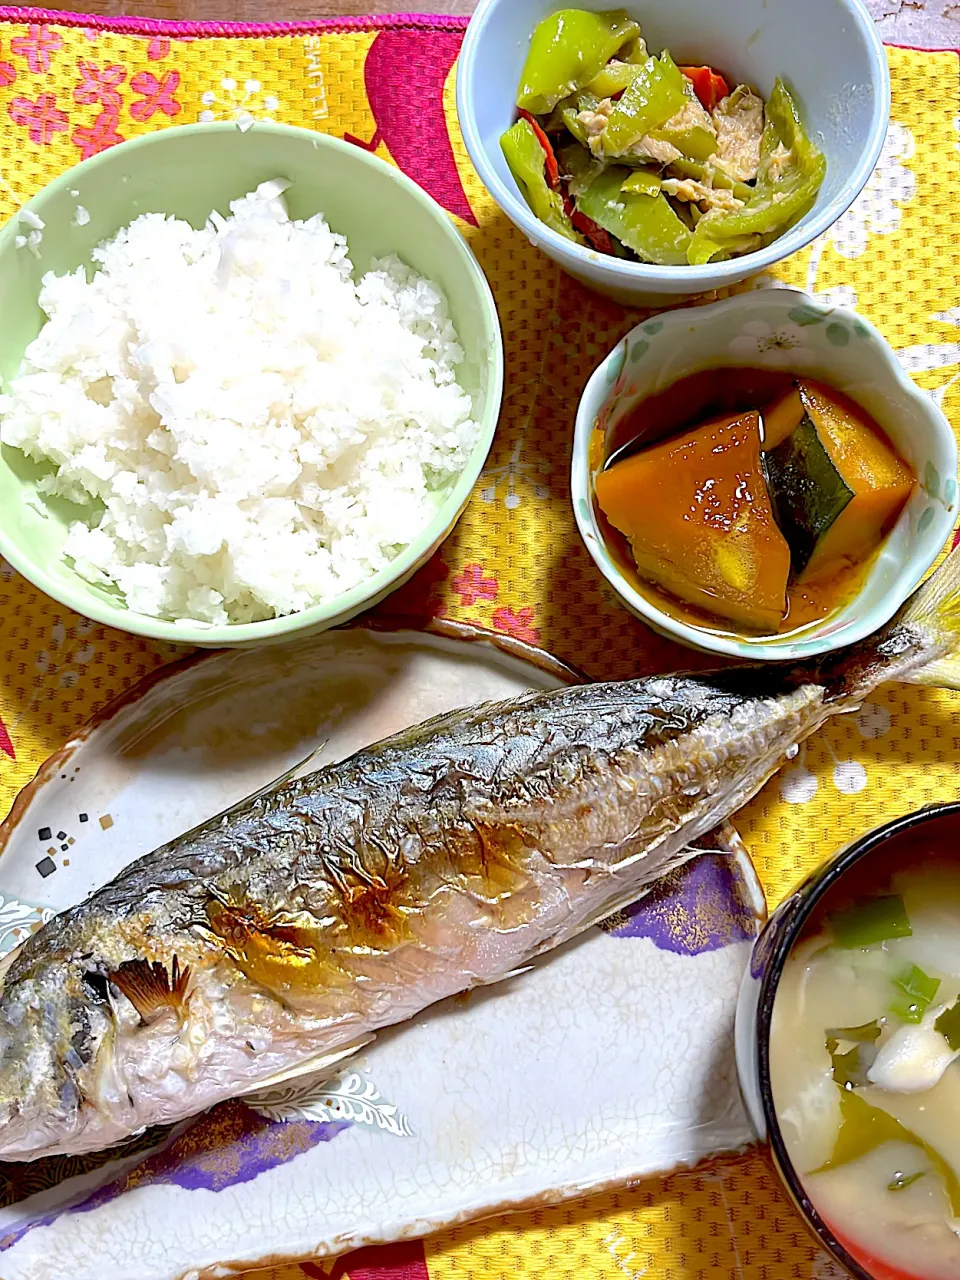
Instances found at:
x=388 y=623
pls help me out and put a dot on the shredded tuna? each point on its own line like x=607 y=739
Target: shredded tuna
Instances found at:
x=694 y=192
x=739 y=122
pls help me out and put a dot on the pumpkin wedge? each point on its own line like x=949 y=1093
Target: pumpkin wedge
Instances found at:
x=697 y=515
x=837 y=485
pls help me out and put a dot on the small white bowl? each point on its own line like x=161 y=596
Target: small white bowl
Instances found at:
x=781 y=329
x=826 y=51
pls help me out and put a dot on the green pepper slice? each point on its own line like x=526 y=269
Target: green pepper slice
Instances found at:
x=710 y=176
x=566 y=51
x=527 y=160
x=694 y=141
x=791 y=173
x=646 y=224
x=614 y=78
x=642 y=182
x=691 y=130
x=579 y=166
x=650 y=100
x=571 y=119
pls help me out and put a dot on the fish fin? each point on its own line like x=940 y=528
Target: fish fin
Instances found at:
x=308 y=1067
x=935 y=608
x=504 y=977
x=309 y=764
x=150 y=988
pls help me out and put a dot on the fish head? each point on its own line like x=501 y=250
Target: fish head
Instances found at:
x=83 y=1018
x=52 y=1023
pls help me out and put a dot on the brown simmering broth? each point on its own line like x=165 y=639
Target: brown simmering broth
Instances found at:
x=698 y=398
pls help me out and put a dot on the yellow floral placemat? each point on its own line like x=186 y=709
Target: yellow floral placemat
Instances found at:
x=70 y=87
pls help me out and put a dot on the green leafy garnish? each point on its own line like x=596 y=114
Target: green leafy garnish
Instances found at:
x=901 y=1180
x=863 y=1128
x=868 y=1031
x=870 y=922
x=948 y=1024
x=915 y=990
x=850 y=1068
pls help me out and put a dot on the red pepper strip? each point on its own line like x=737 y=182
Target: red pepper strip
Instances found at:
x=599 y=238
x=708 y=85
x=553 y=169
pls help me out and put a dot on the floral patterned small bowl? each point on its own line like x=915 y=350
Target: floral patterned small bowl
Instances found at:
x=781 y=329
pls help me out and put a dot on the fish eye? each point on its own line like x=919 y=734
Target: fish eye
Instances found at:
x=96 y=983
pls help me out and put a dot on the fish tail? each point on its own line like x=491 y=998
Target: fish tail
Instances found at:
x=920 y=645
x=934 y=611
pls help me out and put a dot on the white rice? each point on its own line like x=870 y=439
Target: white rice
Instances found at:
x=262 y=432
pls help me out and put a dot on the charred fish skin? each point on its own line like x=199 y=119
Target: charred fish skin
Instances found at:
x=273 y=937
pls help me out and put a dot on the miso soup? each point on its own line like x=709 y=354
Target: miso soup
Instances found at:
x=864 y=1049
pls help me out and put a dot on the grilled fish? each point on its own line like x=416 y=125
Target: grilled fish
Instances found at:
x=279 y=936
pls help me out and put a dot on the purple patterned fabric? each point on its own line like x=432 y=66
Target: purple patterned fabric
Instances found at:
x=701 y=907
x=227 y=1146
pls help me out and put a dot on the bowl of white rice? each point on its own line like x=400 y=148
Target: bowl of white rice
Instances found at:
x=249 y=380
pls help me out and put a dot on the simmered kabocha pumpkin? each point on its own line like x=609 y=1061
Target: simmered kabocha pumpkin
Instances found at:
x=697 y=515
x=837 y=485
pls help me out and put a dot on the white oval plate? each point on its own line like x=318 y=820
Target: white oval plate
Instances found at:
x=611 y=1059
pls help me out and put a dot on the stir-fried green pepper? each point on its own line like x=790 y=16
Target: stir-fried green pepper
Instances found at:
x=567 y=50
x=791 y=173
x=634 y=51
x=577 y=130
x=614 y=79
x=644 y=223
x=590 y=82
x=650 y=100
x=914 y=991
x=691 y=131
x=579 y=167
x=863 y=1128
x=527 y=160
x=711 y=176
x=872 y=921
x=642 y=182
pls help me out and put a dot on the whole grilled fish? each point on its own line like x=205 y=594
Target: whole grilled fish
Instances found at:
x=279 y=936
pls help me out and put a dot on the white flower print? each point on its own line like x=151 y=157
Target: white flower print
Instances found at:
x=876 y=211
x=873 y=720
x=781 y=346
x=18 y=920
x=926 y=357
x=245 y=104
x=533 y=473
x=849 y=777
x=347 y=1096
x=878 y=208
x=765 y=281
